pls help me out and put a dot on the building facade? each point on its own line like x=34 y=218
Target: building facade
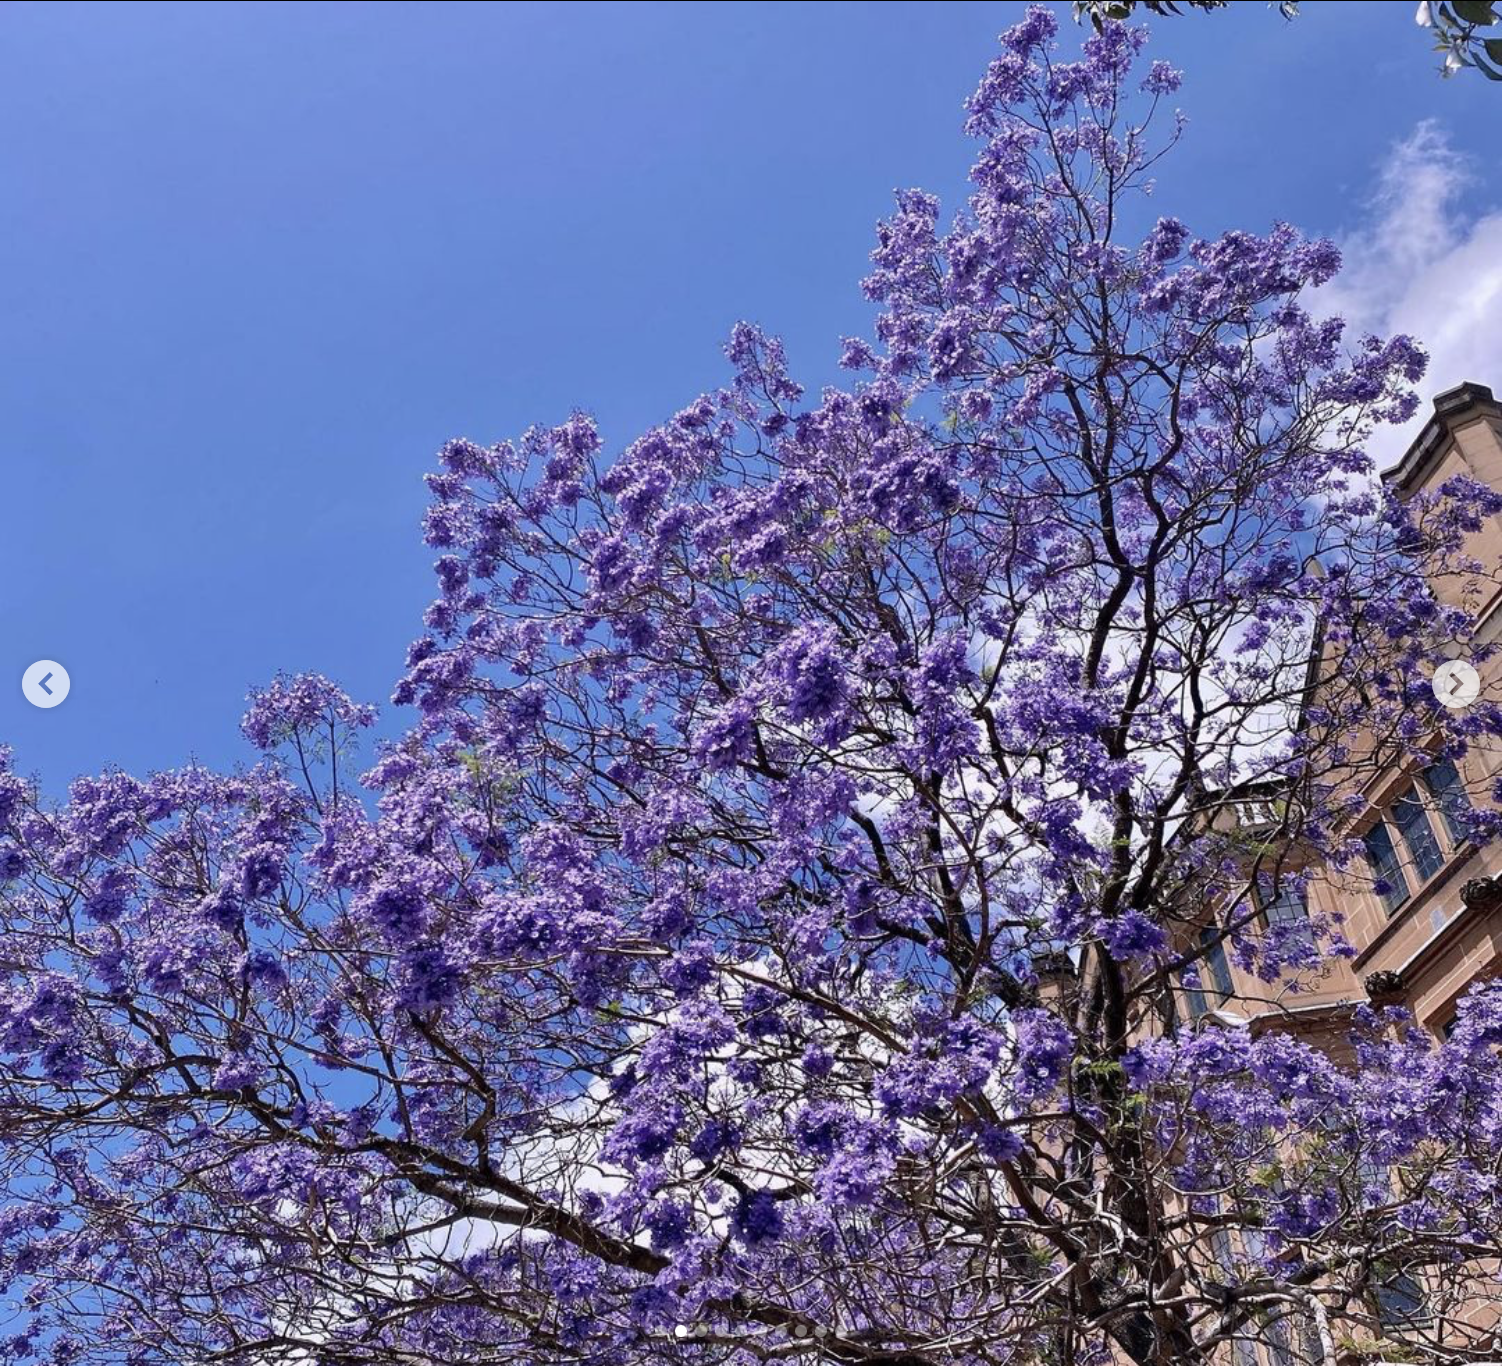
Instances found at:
x=1423 y=911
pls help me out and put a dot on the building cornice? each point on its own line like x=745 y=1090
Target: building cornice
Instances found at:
x=1479 y=898
x=1464 y=402
x=1312 y=1014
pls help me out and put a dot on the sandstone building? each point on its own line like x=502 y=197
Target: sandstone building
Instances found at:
x=1424 y=913
x=1423 y=910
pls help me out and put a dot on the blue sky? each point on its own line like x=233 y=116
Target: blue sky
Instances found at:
x=258 y=261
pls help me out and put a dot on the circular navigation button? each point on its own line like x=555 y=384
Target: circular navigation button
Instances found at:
x=45 y=683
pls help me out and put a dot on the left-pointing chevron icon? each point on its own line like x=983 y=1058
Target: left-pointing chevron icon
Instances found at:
x=45 y=683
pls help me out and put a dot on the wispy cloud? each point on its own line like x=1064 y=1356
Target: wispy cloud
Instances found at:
x=1422 y=263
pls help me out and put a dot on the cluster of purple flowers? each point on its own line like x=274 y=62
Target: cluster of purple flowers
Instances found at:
x=767 y=920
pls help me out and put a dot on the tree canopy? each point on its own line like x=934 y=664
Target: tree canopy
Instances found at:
x=1467 y=33
x=763 y=944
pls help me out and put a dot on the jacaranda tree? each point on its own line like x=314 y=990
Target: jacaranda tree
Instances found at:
x=762 y=946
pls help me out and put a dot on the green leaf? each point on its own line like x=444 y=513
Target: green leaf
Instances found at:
x=1493 y=48
x=1475 y=11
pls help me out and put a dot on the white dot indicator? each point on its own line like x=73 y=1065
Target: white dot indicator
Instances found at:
x=45 y=683
x=1456 y=684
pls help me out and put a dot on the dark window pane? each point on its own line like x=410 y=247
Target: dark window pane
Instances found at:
x=1279 y=1342
x=1413 y=821
x=1389 y=881
x=1215 y=966
x=1400 y=1301
x=1449 y=792
x=1213 y=972
x=1285 y=903
x=1286 y=1323
x=1244 y=1350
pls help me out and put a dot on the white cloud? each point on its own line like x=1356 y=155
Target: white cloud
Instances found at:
x=1424 y=265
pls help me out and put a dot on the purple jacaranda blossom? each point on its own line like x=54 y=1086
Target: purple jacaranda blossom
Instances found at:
x=302 y=704
x=782 y=914
x=757 y=1219
x=1133 y=935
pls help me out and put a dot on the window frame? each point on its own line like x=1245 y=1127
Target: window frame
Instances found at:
x=1386 y=1284
x=1416 y=830
x=1451 y=800
x=1389 y=870
x=1211 y=948
x=1288 y=905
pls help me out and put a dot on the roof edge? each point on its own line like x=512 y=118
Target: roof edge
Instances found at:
x=1450 y=407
